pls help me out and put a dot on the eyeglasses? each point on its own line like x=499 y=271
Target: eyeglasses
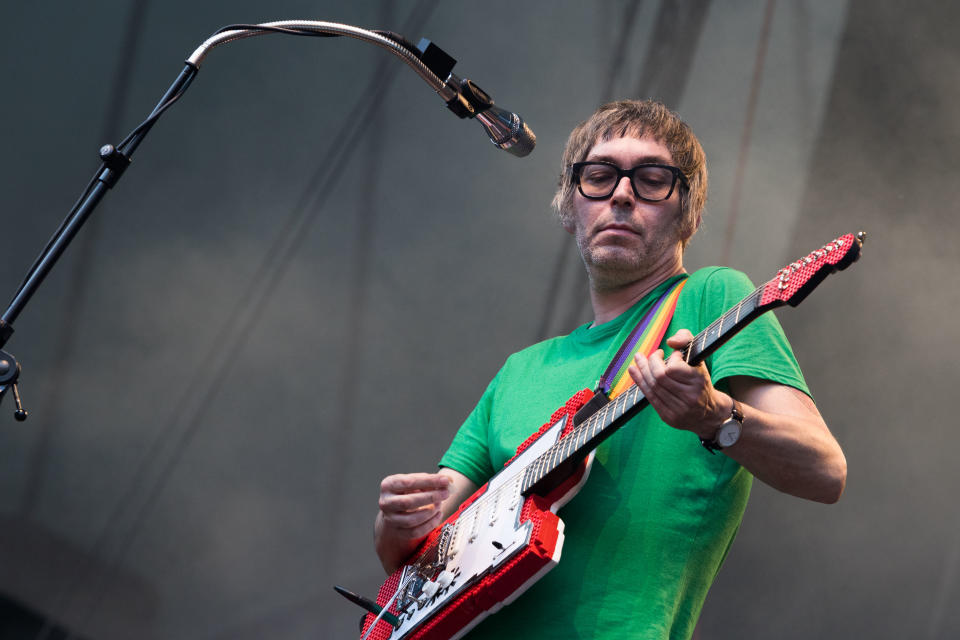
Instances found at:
x=651 y=182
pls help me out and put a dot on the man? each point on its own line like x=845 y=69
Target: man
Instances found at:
x=646 y=535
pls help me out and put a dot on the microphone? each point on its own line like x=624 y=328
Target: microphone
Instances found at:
x=505 y=129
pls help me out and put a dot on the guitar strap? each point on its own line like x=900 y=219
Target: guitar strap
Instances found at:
x=645 y=338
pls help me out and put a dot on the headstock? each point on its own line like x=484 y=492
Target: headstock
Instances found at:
x=796 y=280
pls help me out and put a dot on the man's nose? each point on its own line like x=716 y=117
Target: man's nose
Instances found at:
x=623 y=194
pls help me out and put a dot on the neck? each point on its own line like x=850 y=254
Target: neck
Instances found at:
x=610 y=302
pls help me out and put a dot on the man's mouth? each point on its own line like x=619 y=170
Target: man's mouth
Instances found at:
x=618 y=228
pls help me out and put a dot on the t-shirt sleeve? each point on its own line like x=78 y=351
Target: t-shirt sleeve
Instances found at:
x=760 y=350
x=469 y=452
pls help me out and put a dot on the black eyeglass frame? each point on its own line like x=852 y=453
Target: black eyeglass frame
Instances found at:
x=577 y=167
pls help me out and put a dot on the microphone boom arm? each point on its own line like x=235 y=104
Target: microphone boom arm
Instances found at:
x=316 y=27
x=506 y=130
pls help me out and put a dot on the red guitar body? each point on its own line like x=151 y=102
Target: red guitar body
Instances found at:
x=482 y=577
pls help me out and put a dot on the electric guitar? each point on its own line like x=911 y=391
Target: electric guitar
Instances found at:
x=507 y=535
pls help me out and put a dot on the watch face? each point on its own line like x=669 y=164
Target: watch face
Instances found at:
x=729 y=433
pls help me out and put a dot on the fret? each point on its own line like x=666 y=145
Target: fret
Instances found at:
x=561 y=455
x=621 y=407
x=602 y=417
x=582 y=438
x=614 y=413
x=555 y=456
x=753 y=299
x=723 y=320
x=565 y=445
x=574 y=438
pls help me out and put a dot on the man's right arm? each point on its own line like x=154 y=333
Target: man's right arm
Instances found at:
x=411 y=506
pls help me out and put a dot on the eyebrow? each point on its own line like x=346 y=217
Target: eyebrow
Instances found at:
x=650 y=159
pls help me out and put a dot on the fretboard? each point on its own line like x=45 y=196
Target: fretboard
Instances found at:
x=556 y=462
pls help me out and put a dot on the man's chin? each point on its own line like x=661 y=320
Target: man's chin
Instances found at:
x=608 y=272
x=614 y=258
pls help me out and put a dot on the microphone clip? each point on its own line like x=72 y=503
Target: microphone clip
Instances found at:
x=468 y=100
x=463 y=97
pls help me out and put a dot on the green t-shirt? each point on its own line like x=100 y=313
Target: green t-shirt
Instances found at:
x=646 y=535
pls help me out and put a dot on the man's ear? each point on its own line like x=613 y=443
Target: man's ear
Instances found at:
x=568 y=226
x=692 y=231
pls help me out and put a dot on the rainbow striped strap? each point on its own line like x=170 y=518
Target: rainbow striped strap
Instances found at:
x=645 y=338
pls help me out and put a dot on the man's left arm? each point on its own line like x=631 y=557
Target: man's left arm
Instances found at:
x=784 y=441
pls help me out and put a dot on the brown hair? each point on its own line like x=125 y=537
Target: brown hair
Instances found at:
x=639 y=118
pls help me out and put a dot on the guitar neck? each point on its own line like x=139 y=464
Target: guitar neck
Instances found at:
x=558 y=461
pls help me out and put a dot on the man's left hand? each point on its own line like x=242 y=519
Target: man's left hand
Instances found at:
x=682 y=395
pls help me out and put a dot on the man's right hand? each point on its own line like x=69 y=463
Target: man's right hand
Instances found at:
x=410 y=503
x=411 y=506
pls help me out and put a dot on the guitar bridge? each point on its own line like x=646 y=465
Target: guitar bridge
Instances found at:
x=420 y=575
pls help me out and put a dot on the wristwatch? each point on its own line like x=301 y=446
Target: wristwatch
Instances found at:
x=728 y=433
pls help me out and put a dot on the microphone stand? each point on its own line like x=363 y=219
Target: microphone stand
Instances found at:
x=430 y=62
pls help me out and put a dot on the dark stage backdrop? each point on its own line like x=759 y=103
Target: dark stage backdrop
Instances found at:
x=312 y=270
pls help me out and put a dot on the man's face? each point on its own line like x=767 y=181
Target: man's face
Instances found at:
x=622 y=238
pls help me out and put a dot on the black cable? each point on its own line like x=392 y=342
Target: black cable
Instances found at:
x=153 y=117
x=293 y=31
x=57 y=233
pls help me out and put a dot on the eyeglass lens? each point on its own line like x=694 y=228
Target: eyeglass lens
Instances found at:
x=651 y=183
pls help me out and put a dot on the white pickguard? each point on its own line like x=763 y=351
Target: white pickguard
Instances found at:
x=489 y=532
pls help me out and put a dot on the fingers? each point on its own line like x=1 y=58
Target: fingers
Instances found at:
x=680 y=339
x=668 y=396
x=409 y=482
x=674 y=374
x=411 y=502
x=414 y=524
x=673 y=388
